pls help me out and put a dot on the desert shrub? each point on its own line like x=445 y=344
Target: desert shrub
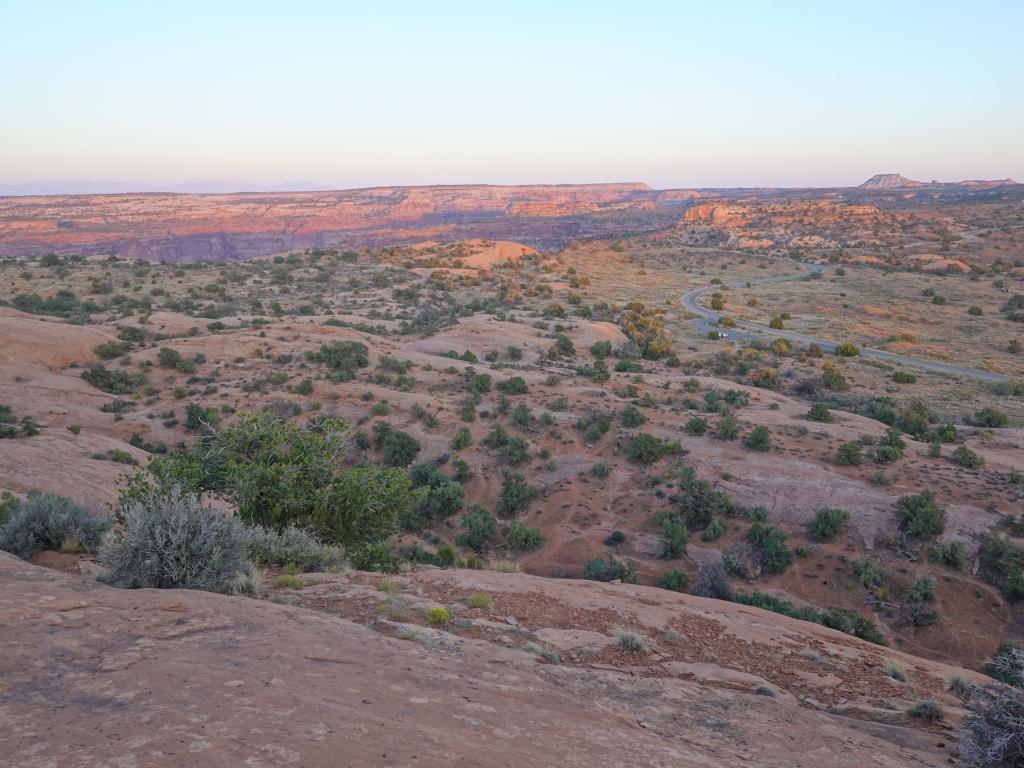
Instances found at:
x=645 y=449
x=673 y=533
x=1002 y=565
x=514 y=386
x=847 y=349
x=342 y=358
x=674 y=579
x=869 y=573
x=631 y=641
x=991 y=736
x=759 y=439
x=920 y=517
x=904 y=377
x=833 y=378
x=699 y=503
x=444 y=496
x=601 y=469
x=522 y=537
x=819 y=412
x=775 y=555
x=965 y=457
x=438 y=615
x=108 y=350
x=202 y=420
x=632 y=417
x=609 y=569
x=398 y=448
x=988 y=417
x=850 y=454
x=715 y=530
x=292 y=546
x=827 y=523
x=766 y=378
x=364 y=505
x=174 y=542
x=274 y=473
x=697 y=426
x=727 y=428
x=950 y=554
x=114 y=382
x=46 y=522
x=845 y=621
x=713 y=581
x=516 y=494
x=462 y=439
x=515 y=451
x=478 y=526
x=922 y=591
x=927 y=711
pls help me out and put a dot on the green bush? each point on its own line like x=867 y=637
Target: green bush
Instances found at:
x=715 y=530
x=516 y=494
x=632 y=417
x=478 y=527
x=847 y=349
x=522 y=537
x=965 y=457
x=819 y=412
x=174 y=542
x=951 y=554
x=833 y=378
x=462 y=439
x=920 y=517
x=1002 y=565
x=609 y=569
x=775 y=555
x=111 y=349
x=45 y=522
x=114 y=382
x=674 y=579
x=342 y=358
x=601 y=469
x=827 y=523
x=759 y=439
x=673 y=533
x=697 y=426
x=727 y=428
x=850 y=454
x=514 y=386
x=844 y=621
x=904 y=377
x=646 y=449
x=989 y=417
x=364 y=505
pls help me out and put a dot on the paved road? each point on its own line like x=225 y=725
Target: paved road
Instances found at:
x=707 y=320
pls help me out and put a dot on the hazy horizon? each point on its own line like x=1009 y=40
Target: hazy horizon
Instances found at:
x=796 y=95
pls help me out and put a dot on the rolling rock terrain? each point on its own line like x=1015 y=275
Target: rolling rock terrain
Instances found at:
x=99 y=676
x=498 y=358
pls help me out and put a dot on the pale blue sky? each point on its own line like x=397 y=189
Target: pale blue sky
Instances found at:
x=352 y=94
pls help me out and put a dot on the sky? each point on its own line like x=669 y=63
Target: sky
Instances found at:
x=675 y=94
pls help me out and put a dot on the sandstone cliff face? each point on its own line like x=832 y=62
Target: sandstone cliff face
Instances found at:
x=176 y=227
x=91 y=675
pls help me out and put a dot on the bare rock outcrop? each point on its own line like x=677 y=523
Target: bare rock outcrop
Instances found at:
x=91 y=675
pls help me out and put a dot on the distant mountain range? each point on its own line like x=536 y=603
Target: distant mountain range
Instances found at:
x=880 y=182
x=886 y=181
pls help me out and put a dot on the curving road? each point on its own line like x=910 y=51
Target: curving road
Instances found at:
x=707 y=320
